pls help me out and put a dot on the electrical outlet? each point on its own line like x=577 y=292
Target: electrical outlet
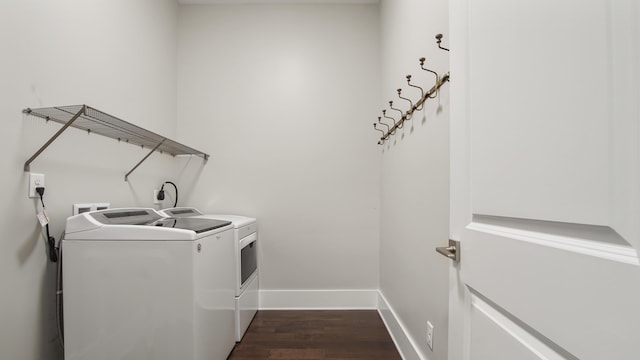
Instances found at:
x=155 y=197
x=430 y=334
x=35 y=180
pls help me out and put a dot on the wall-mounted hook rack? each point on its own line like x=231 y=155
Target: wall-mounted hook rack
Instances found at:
x=418 y=105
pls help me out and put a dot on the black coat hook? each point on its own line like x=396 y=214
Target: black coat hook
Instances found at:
x=418 y=87
x=410 y=103
x=384 y=114
x=431 y=71
x=380 y=122
x=398 y=110
x=381 y=141
x=439 y=40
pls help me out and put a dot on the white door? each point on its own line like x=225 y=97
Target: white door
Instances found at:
x=545 y=195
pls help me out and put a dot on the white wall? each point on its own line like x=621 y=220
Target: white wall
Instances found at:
x=283 y=97
x=415 y=174
x=115 y=55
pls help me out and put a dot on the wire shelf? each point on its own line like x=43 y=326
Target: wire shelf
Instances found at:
x=95 y=121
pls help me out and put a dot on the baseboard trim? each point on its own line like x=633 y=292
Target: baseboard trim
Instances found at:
x=318 y=299
x=404 y=343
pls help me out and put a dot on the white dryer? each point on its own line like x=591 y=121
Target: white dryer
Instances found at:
x=137 y=285
x=246 y=262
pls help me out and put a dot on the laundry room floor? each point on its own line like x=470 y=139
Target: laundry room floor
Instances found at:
x=316 y=334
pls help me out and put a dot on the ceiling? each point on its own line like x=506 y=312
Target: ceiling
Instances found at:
x=278 y=1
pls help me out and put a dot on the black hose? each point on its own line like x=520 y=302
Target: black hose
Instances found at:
x=59 y=300
x=51 y=241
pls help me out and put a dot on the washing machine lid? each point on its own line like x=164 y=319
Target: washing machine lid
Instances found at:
x=138 y=224
x=183 y=212
x=193 y=224
x=180 y=212
x=237 y=220
x=126 y=216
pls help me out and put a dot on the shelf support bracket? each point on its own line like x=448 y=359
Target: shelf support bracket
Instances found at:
x=27 y=164
x=126 y=177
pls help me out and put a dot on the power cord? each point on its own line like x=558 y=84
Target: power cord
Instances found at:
x=59 y=298
x=51 y=241
x=161 y=192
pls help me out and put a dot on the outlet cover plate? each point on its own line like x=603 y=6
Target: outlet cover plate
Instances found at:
x=35 y=180
x=430 y=334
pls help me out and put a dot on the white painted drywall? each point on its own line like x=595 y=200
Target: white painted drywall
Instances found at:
x=115 y=55
x=283 y=97
x=415 y=174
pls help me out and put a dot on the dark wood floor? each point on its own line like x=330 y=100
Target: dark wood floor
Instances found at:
x=316 y=334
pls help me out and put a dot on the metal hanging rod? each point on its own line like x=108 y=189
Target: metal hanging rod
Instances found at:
x=94 y=121
x=418 y=105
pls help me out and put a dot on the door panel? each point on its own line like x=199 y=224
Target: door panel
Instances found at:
x=536 y=105
x=573 y=295
x=545 y=192
x=625 y=121
x=491 y=330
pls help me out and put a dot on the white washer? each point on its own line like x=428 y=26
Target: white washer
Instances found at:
x=246 y=258
x=140 y=286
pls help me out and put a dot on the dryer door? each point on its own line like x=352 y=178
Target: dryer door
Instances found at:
x=248 y=258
